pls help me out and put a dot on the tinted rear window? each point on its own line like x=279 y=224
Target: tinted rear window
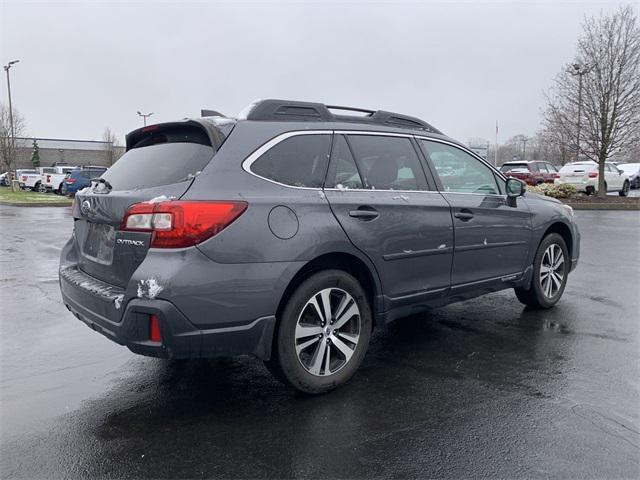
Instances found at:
x=161 y=157
x=510 y=166
x=578 y=167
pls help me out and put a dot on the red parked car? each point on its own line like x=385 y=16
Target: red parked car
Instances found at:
x=534 y=172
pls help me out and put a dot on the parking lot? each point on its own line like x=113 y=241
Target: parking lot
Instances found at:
x=476 y=389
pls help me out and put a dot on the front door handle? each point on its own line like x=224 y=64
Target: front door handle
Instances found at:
x=364 y=213
x=464 y=215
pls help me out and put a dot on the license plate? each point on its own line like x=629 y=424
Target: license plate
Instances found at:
x=98 y=245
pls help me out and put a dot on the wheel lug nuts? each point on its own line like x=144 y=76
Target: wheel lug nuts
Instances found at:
x=328 y=340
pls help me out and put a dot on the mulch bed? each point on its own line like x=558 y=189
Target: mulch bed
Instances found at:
x=610 y=202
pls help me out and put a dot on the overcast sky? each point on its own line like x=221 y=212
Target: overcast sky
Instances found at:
x=459 y=65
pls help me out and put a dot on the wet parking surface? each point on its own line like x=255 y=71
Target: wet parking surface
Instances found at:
x=481 y=388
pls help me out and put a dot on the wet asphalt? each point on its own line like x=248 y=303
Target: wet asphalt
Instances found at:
x=484 y=388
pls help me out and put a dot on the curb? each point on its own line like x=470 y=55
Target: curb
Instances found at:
x=34 y=204
x=600 y=206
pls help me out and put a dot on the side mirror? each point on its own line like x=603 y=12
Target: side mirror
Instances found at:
x=515 y=188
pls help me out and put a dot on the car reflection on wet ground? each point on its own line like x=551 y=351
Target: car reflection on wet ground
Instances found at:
x=480 y=388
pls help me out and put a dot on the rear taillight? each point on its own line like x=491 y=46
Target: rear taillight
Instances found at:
x=70 y=180
x=154 y=329
x=24 y=178
x=48 y=178
x=557 y=175
x=177 y=224
x=593 y=174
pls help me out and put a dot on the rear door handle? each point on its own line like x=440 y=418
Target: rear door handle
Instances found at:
x=364 y=213
x=463 y=215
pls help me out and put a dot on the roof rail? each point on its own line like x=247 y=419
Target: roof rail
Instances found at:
x=289 y=110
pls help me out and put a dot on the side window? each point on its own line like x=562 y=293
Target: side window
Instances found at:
x=542 y=167
x=459 y=171
x=552 y=168
x=534 y=167
x=298 y=161
x=343 y=173
x=387 y=163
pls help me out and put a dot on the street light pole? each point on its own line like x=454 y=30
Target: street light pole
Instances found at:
x=580 y=70
x=524 y=149
x=145 y=116
x=7 y=67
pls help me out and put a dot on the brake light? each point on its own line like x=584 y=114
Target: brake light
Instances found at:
x=593 y=174
x=24 y=178
x=154 y=329
x=178 y=224
x=71 y=180
x=48 y=178
x=557 y=175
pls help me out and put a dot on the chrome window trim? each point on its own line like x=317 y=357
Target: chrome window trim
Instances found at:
x=466 y=150
x=247 y=162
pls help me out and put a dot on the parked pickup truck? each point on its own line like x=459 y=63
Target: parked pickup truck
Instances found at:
x=52 y=178
x=28 y=178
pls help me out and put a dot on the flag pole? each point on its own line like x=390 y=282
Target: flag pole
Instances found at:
x=495 y=153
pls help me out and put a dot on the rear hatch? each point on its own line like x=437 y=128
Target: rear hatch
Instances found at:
x=576 y=172
x=160 y=164
x=518 y=170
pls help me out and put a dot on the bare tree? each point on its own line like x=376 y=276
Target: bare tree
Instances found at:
x=8 y=148
x=609 y=100
x=114 y=152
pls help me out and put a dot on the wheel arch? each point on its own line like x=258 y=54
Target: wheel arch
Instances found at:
x=564 y=231
x=347 y=262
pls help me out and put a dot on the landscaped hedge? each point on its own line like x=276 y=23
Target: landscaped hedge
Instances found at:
x=556 y=191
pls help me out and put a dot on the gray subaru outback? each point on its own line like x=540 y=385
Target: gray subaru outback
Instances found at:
x=293 y=231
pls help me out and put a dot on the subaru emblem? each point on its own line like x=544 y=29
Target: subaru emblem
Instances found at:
x=85 y=207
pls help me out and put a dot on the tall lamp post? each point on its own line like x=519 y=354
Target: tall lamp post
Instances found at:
x=579 y=69
x=7 y=67
x=524 y=148
x=145 y=116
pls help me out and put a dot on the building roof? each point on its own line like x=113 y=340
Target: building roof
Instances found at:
x=62 y=144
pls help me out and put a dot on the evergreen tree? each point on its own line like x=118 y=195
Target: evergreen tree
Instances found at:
x=35 y=154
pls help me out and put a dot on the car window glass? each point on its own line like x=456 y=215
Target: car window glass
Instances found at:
x=533 y=167
x=387 y=163
x=551 y=168
x=459 y=171
x=299 y=161
x=542 y=167
x=343 y=173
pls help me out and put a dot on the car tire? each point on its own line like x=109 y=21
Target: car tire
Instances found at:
x=41 y=188
x=590 y=190
x=550 y=273
x=63 y=189
x=341 y=333
x=625 y=189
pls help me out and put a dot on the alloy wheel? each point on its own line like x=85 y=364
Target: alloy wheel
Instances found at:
x=552 y=270
x=327 y=331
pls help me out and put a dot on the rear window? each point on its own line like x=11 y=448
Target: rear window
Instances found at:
x=578 y=167
x=512 y=166
x=161 y=157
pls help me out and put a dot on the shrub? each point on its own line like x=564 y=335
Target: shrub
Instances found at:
x=562 y=190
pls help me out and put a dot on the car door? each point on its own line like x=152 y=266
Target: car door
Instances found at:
x=379 y=193
x=492 y=238
x=613 y=176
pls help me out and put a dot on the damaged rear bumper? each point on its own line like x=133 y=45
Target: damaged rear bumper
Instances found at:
x=102 y=307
